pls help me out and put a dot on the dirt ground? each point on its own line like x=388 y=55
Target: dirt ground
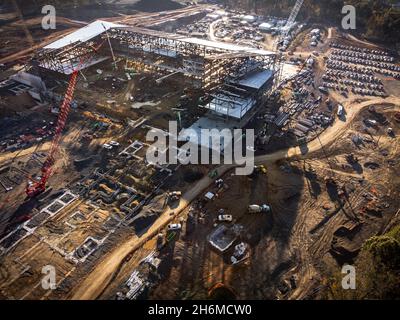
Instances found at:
x=309 y=233
x=314 y=227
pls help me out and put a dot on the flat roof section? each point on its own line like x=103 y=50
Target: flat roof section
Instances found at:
x=84 y=34
x=227 y=46
x=222 y=238
x=256 y=80
x=208 y=122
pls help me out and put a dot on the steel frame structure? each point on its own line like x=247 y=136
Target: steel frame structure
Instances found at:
x=67 y=58
x=232 y=98
x=208 y=64
x=211 y=65
x=231 y=95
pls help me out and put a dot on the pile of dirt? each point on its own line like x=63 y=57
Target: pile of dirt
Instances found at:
x=157 y=5
x=148 y=215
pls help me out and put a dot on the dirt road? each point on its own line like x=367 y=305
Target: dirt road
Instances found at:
x=99 y=278
x=365 y=43
x=211 y=33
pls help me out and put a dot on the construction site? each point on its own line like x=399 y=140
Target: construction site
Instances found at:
x=78 y=192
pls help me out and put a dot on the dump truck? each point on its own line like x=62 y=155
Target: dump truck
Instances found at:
x=254 y=208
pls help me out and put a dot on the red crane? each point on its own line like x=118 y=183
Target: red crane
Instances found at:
x=34 y=188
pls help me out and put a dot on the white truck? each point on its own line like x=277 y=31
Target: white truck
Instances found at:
x=254 y=208
x=174 y=226
x=340 y=111
x=225 y=218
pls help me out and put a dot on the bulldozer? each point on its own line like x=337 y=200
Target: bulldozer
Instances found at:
x=260 y=169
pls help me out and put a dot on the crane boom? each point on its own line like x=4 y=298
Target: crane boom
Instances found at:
x=37 y=187
x=284 y=33
x=293 y=16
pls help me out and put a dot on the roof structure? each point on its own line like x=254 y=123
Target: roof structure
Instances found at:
x=256 y=80
x=98 y=27
x=194 y=133
x=200 y=59
x=86 y=33
x=228 y=46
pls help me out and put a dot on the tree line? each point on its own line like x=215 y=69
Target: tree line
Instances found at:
x=377 y=20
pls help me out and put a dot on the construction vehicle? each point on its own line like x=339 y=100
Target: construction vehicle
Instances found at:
x=212 y=174
x=36 y=187
x=260 y=169
x=225 y=218
x=254 y=208
x=219 y=183
x=222 y=217
x=241 y=253
x=371 y=122
x=174 y=195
